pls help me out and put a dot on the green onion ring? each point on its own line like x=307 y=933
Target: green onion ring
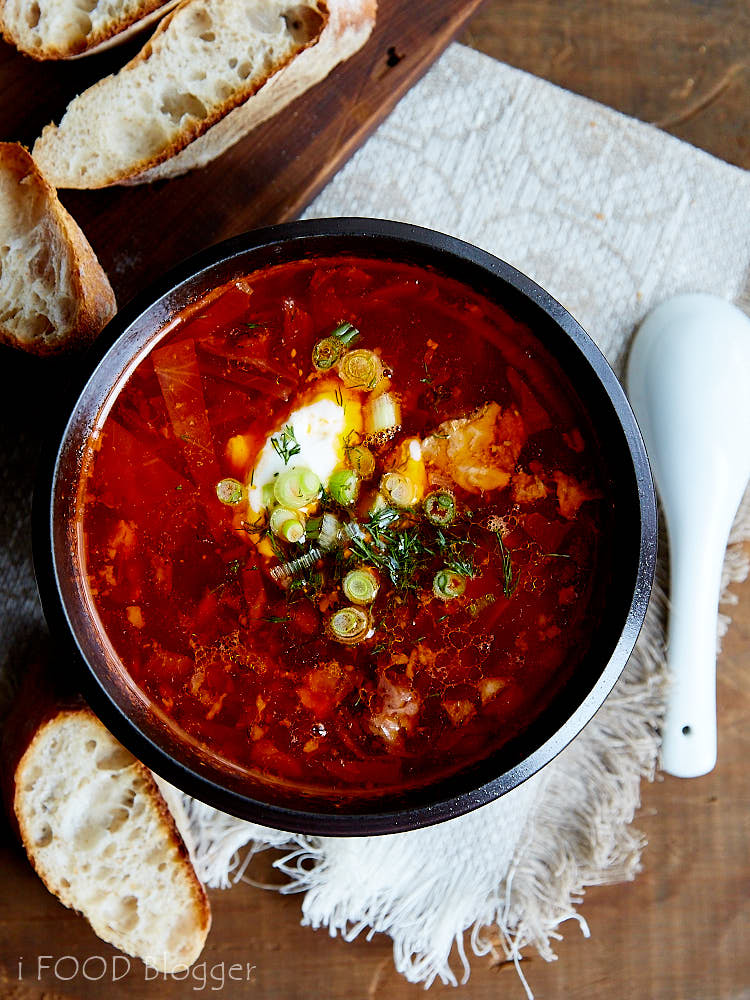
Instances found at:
x=399 y=489
x=344 y=486
x=349 y=625
x=360 y=369
x=361 y=459
x=448 y=584
x=440 y=508
x=287 y=524
x=230 y=492
x=361 y=586
x=296 y=488
x=326 y=353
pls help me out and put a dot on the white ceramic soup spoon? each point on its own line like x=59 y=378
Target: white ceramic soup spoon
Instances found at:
x=689 y=384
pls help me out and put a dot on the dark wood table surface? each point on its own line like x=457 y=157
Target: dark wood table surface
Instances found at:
x=682 y=929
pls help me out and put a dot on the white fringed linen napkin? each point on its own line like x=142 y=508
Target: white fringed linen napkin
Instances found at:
x=611 y=217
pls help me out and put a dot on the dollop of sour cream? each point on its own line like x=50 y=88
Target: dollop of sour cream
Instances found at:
x=320 y=430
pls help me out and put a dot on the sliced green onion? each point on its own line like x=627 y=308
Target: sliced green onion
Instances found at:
x=440 y=507
x=361 y=459
x=287 y=524
x=326 y=353
x=398 y=489
x=344 y=487
x=293 y=568
x=448 y=584
x=345 y=333
x=361 y=586
x=349 y=625
x=312 y=528
x=360 y=370
x=382 y=416
x=230 y=491
x=329 y=531
x=296 y=487
x=267 y=495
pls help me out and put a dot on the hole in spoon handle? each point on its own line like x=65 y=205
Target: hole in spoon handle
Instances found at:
x=689 y=734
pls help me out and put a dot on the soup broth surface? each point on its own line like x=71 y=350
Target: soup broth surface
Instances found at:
x=342 y=524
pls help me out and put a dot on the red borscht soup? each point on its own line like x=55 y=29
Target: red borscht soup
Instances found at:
x=341 y=523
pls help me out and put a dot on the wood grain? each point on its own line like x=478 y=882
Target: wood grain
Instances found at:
x=681 y=64
x=681 y=929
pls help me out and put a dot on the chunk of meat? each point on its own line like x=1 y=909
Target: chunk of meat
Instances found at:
x=324 y=687
x=399 y=706
x=480 y=452
x=571 y=494
x=490 y=686
x=459 y=710
x=527 y=488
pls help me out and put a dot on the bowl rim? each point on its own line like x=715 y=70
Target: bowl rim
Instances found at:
x=350 y=823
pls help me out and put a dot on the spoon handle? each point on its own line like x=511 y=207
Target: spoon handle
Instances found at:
x=689 y=736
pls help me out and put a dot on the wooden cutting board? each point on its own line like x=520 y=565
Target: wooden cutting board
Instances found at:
x=140 y=232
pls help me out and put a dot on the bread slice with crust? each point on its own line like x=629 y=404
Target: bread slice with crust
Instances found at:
x=212 y=71
x=65 y=29
x=100 y=835
x=53 y=291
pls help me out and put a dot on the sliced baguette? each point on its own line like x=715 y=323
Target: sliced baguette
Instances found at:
x=53 y=291
x=213 y=70
x=65 y=29
x=349 y=27
x=100 y=835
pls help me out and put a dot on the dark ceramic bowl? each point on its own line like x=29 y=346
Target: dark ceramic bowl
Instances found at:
x=122 y=707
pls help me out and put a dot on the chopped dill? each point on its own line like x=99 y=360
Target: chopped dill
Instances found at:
x=309 y=587
x=256 y=527
x=510 y=581
x=381 y=520
x=277 y=549
x=464 y=567
x=286 y=444
x=275 y=619
x=427 y=377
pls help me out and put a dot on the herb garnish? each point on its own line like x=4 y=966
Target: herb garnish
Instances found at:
x=286 y=444
x=510 y=582
x=403 y=553
x=345 y=332
x=397 y=553
x=464 y=567
x=257 y=527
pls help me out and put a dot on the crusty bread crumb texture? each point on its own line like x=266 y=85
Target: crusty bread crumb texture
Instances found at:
x=101 y=837
x=53 y=292
x=213 y=70
x=63 y=29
